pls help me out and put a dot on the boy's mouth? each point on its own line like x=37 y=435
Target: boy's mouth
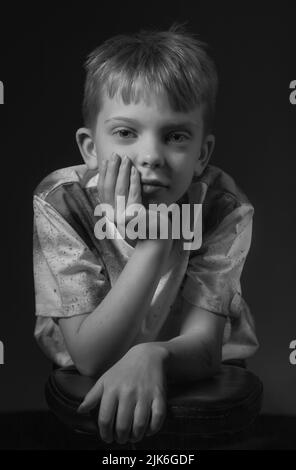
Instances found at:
x=152 y=186
x=147 y=188
x=155 y=183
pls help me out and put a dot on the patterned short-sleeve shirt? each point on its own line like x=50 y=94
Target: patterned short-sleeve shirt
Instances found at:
x=74 y=270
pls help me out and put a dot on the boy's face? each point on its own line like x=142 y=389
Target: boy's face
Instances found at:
x=164 y=145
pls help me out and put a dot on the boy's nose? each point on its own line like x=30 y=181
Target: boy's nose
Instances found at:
x=151 y=159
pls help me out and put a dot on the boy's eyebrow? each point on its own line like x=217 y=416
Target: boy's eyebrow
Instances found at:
x=167 y=125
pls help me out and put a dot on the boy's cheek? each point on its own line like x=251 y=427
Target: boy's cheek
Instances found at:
x=184 y=180
x=105 y=148
x=103 y=151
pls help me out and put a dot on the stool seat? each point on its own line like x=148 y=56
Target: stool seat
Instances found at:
x=224 y=404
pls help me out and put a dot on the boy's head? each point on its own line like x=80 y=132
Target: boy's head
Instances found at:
x=163 y=85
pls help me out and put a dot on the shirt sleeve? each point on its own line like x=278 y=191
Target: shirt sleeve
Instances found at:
x=213 y=274
x=69 y=278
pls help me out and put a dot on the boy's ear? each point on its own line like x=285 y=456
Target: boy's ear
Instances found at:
x=87 y=147
x=205 y=153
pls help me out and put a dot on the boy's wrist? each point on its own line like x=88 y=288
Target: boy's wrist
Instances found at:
x=157 y=349
x=163 y=245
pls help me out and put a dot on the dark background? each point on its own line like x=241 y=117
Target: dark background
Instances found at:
x=41 y=57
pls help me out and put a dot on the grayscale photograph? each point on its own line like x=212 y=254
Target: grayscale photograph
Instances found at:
x=149 y=190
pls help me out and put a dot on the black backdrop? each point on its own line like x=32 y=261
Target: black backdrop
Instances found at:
x=41 y=67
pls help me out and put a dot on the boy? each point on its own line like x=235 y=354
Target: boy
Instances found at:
x=141 y=313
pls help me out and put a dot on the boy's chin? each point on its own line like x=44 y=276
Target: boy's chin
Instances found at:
x=156 y=197
x=162 y=198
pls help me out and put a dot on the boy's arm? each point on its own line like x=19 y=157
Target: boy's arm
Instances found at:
x=132 y=392
x=97 y=340
x=196 y=352
x=213 y=282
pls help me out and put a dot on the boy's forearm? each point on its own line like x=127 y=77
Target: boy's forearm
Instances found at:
x=108 y=332
x=189 y=357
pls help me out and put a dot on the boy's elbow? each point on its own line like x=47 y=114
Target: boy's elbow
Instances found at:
x=87 y=367
x=85 y=370
x=84 y=357
x=212 y=360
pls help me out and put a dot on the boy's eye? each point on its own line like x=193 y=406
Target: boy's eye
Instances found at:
x=178 y=137
x=123 y=133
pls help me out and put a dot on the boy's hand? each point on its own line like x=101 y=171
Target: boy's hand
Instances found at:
x=119 y=177
x=132 y=395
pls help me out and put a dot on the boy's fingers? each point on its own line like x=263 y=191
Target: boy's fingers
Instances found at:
x=158 y=414
x=111 y=178
x=107 y=414
x=123 y=179
x=101 y=180
x=141 y=420
x=124 y=418
x=92 y=398
x=135 y=187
